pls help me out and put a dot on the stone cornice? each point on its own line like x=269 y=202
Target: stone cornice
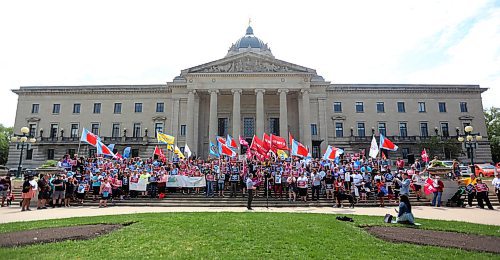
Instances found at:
x=248 y=74
x=91 y=89
x=405 y=88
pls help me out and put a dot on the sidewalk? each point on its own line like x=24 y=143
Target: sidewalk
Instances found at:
x=473 y=215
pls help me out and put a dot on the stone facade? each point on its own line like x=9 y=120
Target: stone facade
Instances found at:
x=247 y=92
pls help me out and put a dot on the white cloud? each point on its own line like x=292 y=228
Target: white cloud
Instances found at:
x=131 y=42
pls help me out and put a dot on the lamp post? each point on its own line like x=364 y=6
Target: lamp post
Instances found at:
x=21 y=140
x=470 y=140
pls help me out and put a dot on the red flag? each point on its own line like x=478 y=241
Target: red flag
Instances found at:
x=258 y=146
x=290 y=138
x=425 y=156
x=429 y=186
x=225 y=150
x=89 y=137
x=278 y=142
x=221 y=140
x=267 y=141
x=159 y=152
x=243 y=141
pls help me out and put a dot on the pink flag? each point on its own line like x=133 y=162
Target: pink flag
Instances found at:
x=243 y=141
x=429 y=186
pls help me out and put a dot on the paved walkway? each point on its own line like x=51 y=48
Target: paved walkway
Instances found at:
x=473 y=215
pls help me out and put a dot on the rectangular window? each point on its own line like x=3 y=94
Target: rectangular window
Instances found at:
x=403 y=129
x=361 y=129
x=56 y=108
x=401 y=107
x=183 y=130
x=135 y=153
x=274 y=126
x=222 y=127
x=92 y=152
x=382 y=129
x=248 y=126
x=314 y=129
x=118 y=108
x=95 y=128
x=339 y=129
x=445 y=130
x=359 y=107
x=421 y=107
x=29 y=154
x=53 y=130
x=137 y=130
x=160 y=107
x=380 y=107
x=424 y=130
x=50 y=154
x=405 y=152
x=71 y=152
x=97 y=108
x=463 y=107
x=76 y=108
x=337 y=107
x=32 y=128
x=74 y=131
x=138 y=108
x=35 y=108
x=158 y=128
x=115 y=132
x=442 y=107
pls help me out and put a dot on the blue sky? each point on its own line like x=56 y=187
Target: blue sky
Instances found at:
x=150 y=42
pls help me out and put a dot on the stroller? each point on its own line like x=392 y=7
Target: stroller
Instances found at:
x=458 y=199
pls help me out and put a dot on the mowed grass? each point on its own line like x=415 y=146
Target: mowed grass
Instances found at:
x=237 y=236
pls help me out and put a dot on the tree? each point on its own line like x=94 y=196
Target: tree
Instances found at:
x=492 y=117
x=5 y=133
x=444 y=148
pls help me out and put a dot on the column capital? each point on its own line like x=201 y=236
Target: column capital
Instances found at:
x=283 y=90
x=261 y=90
x=192 y=91
x=305 y=91
x=216 y=91
x=238 y=90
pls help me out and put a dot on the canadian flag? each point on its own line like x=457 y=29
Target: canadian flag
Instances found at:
x=89 y=137
x=425 y=156
x=429 y=186
x=278 y=142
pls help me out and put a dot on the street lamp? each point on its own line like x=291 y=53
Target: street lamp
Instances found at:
x=470 y=140
x=21 y=140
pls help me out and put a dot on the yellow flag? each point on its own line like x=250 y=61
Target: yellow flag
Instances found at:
x=170 y=147
x=178 y=152
x=164 y=138
x=282 y=154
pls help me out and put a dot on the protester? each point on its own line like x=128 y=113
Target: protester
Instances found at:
x=292 y=188
x=59 y=191
x=28 y=190
x=482 y=194
x=302 y=186
x=496 y=184
x=5 y=188
x=105 y=192
x=439 y=187
x=250 y=189
x=470 y=184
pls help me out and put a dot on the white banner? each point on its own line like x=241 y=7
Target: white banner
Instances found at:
x=180 y=181
x=138 y=184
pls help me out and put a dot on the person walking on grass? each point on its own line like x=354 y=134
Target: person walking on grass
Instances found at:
x=250 y=188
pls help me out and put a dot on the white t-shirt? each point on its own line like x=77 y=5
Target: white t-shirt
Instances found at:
x=302 y=182
x=347 y=176
x=496 y=182
x=357 y=178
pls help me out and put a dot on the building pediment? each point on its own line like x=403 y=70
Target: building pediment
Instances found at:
x=466 y=117
x=248 y=62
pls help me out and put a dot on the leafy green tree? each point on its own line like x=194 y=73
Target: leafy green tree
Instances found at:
x=445 y=149
x=492 y=117
x=5 y=133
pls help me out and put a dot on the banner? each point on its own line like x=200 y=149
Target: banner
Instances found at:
x=180 y=181
x=138 y=184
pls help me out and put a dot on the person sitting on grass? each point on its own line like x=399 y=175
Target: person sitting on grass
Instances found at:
x=404 y=213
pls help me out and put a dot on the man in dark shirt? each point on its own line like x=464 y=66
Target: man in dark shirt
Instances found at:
x=43 y=191
x=59 y=191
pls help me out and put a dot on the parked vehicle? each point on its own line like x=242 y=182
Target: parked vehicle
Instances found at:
x=485 y=170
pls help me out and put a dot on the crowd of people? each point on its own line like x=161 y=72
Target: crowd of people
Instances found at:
x=349 y=179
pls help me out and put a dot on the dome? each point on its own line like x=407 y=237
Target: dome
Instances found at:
x=249 y=42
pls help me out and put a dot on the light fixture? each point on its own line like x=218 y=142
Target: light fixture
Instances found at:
x=24 y=139
x=469 y=129
x=13 y=139
x=25 y=130
x=479 y=138
x=460 y=139
x=32 y=140
x=469 y=138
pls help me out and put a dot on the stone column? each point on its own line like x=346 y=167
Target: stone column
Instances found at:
x=283 y=113
x=212 y=129
x=196 y=140
x=175 y=118
x=190 y=118
x=259 y=112
x=236 y=113
x=306 y=118
x=323 y=125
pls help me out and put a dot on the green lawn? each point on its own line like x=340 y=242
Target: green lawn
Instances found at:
x=236 y=236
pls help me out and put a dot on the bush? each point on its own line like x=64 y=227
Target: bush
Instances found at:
x=49 y=163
